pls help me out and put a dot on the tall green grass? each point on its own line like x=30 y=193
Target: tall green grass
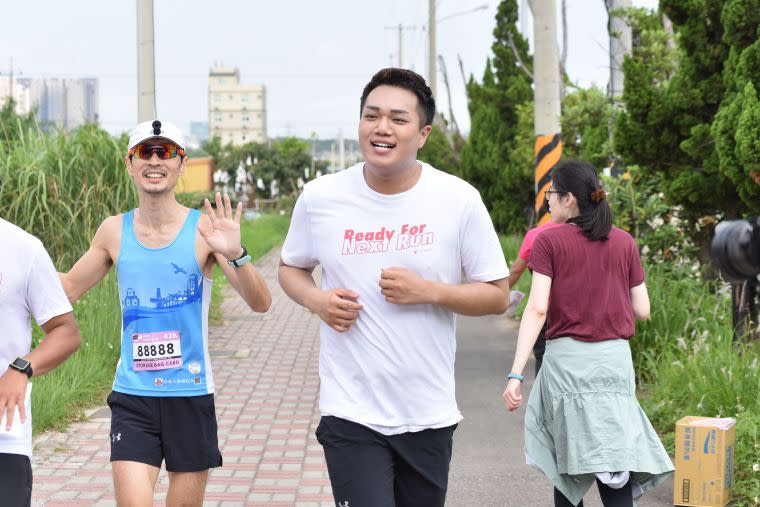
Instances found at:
x=688 y=364
x=682 y=310
x=86 y=377
x=60 y=187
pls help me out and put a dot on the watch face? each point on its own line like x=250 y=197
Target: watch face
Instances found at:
x=20 y=363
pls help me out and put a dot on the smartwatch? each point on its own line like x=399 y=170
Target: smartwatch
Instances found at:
x=240 y=261
x=22 y=365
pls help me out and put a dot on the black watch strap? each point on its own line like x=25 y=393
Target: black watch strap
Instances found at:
x=22 y=365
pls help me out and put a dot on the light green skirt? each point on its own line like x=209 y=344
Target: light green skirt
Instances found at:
x=583 y=418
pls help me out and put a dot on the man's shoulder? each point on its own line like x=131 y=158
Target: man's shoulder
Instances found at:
x=109 y=230
x=18 y=238
x=332 y=183
x=112 y=224
x=329 y=180
x=446 y=182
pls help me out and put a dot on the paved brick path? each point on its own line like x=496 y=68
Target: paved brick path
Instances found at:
x=267 y=407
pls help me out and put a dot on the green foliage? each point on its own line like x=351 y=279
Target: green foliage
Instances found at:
x=736 y=130
x=664 y=236
x=61 y=186
x=586 y=117
x=439 y=152
x=495 y=160
x=12 y=125
x=283 y=160
x=195 y=199
x=688 y=364
x=700 y=100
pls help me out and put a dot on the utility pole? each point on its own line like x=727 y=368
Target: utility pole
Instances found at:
x=431 y=46
x=400 y=46
x=400 y=29
x=620 y=45
x=10 y=82
x=341 y=150
x=146 y=70
x=546 y=94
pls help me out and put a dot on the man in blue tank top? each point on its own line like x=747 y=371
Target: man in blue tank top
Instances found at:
x=162 y=405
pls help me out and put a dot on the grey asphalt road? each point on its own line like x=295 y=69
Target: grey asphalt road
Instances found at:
x=488 y=466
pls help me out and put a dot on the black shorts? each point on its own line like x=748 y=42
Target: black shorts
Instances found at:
x=151 y=429
x=369 y=469
x=15 y=480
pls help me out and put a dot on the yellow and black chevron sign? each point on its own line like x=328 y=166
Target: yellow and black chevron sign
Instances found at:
x=548 y=151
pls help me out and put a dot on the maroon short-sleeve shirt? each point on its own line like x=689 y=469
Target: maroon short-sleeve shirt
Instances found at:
x=590 y=297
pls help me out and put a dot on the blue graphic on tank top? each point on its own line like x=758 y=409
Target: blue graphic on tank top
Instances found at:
x=164 y=300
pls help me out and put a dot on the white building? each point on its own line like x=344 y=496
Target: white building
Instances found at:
x=20 y=94
x=236 y=112
x=65 y=103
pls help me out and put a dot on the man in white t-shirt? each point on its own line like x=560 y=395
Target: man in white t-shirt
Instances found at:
x=393 y=236
x=29 y=286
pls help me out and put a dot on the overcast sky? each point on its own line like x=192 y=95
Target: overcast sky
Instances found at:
x=313 y=56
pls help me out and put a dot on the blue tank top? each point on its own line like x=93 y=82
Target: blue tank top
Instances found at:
x=164 y=311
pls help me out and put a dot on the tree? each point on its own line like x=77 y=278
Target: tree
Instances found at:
x=282 y=160
x=492 y=160
x=586 y=114
x=667 y=122
x=736 y=129
x=439 y=152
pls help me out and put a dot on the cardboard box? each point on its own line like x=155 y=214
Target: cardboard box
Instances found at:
x=704 y=461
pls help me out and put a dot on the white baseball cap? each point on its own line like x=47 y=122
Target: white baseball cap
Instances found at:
x=155 y=129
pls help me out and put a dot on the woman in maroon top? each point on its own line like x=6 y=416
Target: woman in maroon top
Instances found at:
x=583 y=422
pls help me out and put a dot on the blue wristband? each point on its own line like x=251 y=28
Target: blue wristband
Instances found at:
x=519 y=377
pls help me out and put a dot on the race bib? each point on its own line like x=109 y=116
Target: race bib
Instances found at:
x=156 y=351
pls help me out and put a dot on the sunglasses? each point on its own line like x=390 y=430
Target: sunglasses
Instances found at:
x=165 y=151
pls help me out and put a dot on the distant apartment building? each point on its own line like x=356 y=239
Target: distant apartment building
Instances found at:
x=196 y=135
x=236 y=112
x=11 y=88
x=65 y=103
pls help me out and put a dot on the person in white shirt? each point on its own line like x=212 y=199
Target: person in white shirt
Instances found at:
x=29 y=286
x=393 y=236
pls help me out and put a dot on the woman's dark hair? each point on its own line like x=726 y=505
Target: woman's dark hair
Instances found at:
x=408 y=80
x=580 y=178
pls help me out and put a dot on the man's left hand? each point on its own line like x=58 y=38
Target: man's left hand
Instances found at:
x=12 y=396
x=223 y=236
x=405 y=287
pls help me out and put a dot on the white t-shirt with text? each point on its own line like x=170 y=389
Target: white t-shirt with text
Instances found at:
x=29 y=287
x=393 y=371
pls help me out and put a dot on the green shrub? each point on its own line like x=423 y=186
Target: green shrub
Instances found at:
x=195 y=199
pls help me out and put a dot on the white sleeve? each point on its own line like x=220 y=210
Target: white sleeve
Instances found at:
x=481 y=253
x=44 y=293
x=298 y=250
